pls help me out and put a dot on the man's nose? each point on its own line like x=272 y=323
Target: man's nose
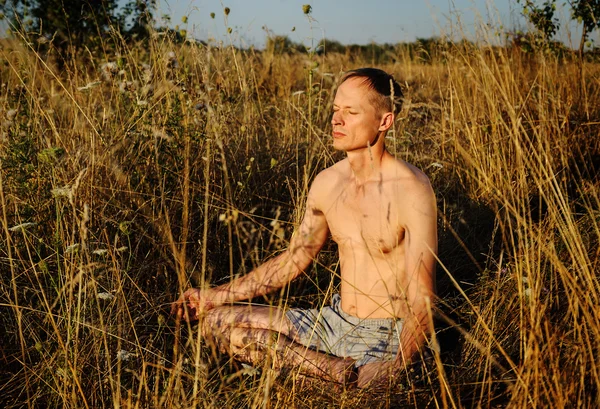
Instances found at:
x=336 y=118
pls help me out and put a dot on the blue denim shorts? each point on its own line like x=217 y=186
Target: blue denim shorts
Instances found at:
x=333 y=331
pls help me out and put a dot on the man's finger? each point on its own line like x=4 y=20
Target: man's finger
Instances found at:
x=175 y=307
x=186 y=315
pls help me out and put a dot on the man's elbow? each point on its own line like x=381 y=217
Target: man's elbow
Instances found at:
x=290 y=266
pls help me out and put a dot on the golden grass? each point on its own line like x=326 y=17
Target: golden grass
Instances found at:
x=188 y=163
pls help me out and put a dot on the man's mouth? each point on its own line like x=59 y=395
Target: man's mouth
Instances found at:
x=337 y=134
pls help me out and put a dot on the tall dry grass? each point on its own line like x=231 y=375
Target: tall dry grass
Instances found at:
x=134 y=171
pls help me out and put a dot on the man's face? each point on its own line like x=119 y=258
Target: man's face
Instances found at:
x=355 y=120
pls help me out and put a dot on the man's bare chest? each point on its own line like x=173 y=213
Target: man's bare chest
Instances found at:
x=371 y=220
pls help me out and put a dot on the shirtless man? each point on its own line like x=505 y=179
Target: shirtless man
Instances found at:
x=381 y=212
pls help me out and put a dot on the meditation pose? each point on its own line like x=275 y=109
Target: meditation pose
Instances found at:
x=381 y=212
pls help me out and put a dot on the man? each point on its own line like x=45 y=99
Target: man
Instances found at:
x=381 y=212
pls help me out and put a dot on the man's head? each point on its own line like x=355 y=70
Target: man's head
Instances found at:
x=363 y=109
x=386 y=92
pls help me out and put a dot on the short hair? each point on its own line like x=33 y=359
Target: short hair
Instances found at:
x=383 y=86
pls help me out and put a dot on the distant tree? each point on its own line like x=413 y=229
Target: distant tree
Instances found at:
x=67 y=22
x=280 y=44
x=330 y=46
x=431 y=49
x=137 y=18
x=542 y=17
x=75 y=23
x=587 y=13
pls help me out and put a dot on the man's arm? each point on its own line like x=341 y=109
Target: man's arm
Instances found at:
x=420 y=251
x=275 y=273
x=305 y=244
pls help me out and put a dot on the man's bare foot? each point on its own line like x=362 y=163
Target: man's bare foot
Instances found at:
x=345 y=372
x=377 y=375
x=334 y=369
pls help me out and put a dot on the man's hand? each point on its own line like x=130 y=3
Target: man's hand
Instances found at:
x=193 y=303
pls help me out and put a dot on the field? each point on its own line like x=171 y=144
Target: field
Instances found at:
x=128 y=173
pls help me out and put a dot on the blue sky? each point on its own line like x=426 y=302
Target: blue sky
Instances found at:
x=347 y=21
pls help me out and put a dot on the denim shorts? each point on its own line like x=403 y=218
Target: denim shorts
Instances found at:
x=333 y=331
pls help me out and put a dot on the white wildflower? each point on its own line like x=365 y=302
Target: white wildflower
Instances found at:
x=437 y=165
x=100 y=252
x=105 y=296
x=73 y=248
x=62 y=192
x=89 y=86
x=109 y=67
x=171 y=60
x=123 y=355
x=147 y=90
x=147 y=73
x=10 y=114
x=161 y=134
x=22 y=226
x=249 y=370
x=109 y=70
x=126 y=86
x=6 y=124
x=122 y=249
x=142 y=102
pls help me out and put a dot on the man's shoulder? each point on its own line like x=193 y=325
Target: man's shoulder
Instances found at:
x=409 y=177
x=413 y=190
x=326 y=182
x=332 y=175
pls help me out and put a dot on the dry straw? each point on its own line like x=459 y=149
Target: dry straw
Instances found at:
x=203 y=180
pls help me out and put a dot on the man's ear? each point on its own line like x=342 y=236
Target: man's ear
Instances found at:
x=387 y=120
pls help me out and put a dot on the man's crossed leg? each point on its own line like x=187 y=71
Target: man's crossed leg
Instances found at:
x=254 y=333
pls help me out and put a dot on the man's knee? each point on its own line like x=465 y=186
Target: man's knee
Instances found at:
x=236 y=326
x=215 y=329
x=276 y=320
x=253 y=345
x=209 y=322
